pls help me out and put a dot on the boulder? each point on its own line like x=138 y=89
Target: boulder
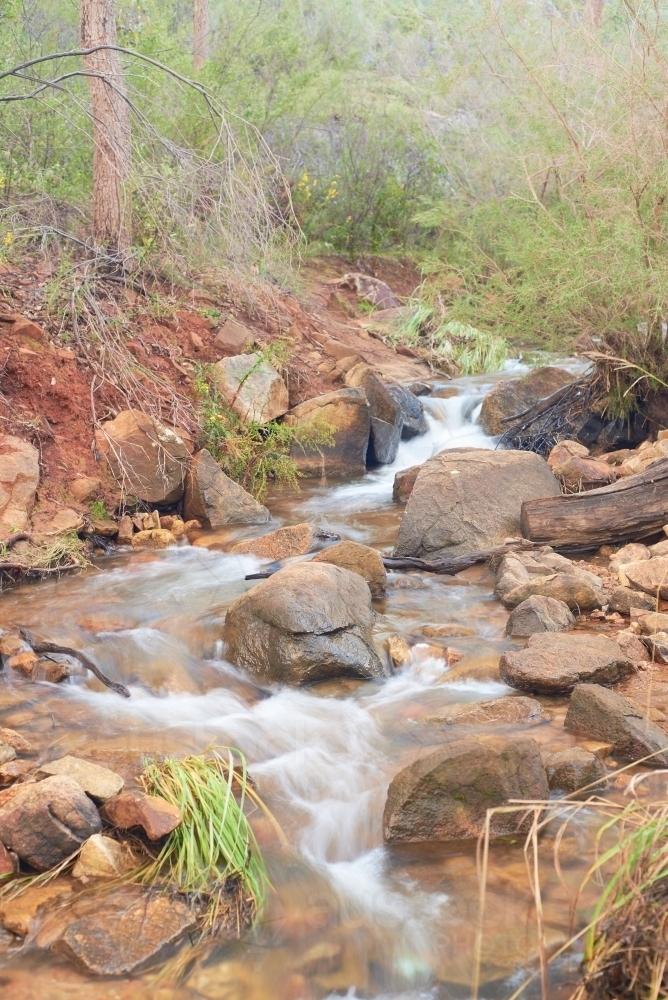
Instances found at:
x=85 y=488
x=156 y=538
x=147 y=459
x=633 y=552
x=115 y=944
x=622 y=599
x=125 y=530
x=19 y=479
x=539 y=614
x=253 y=389
x=515 y=395
x=404 y=482
x=446 y=794
x=385 y=412
x=585 y=474
x=46 y=821
x=553 y=663
x=565 y=450
x=216 y=500
x=468 y=499
x=650 y=576
x=309 y=622
x=651 y=621
x=347 y=413
x=412 y=411
x=285 y=543
x=7 y=753
x=233 y=337
x=569 y=770
x=102 y=857
x=97 y=781
x=153 y=814
x=631 y=646
x=600 y=714
x=15 y=740
x=522 y=575
x=512 y=710
x=360 y=559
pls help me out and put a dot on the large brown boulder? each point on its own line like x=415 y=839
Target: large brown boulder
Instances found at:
x=252 y=388
x=600 y=714
x=308 y=622
x=446 y=795
x=147 y=459
x=553 y=663
x=468 y=499
x=360 y=559
x=386 y=414
x=514 y=395
x=539 y=614
x=19 y=479
x=46 y=821
x=213 y=499
x=347 y=413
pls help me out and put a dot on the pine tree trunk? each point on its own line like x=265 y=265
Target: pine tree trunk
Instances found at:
x=594 y=14
x=112 y=218
x=200 y=33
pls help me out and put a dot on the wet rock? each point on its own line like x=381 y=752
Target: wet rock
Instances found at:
x=20 y=914
x=7 y=753
x=234 y=337
x=360 y=559
x=125 y=530
x=347 y=413
x=398 y=649
x=404 y=482
x=552 y=663
x=601 y=714
x=156 y=538
x=622 y=599
x=15 y=740
x=131 y=809
x=650 y=576
x=446 y=629
x=253 y=389
x=631 y=646
x=412 y=412
x=13 y=770
x=102 y=857
x=468 y=499
x=539 y=614
x=309 y=622
x=321 y=959
x=569 y=770
x=215 y=499
x=147 y=459
x=85 y=488
x=98 y=782
x=547 y=574
x=285 y=543
x=514 y=395
x=508 y=711
x=385 y=412
x=11 y=644
x=46 y=821
x=113 y=944
x=19 y=479
x=23 y=663
x=446 y=794
x=55 y=671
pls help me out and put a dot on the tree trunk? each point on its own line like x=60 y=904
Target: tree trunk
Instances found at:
x=112 y=218
x=594 y=14
x=200 y=33
x=628 y=510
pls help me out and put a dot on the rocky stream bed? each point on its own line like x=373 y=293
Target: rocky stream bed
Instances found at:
x=379 y=723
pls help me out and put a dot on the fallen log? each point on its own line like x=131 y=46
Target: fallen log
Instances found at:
x=52 y=647
x=629 y=510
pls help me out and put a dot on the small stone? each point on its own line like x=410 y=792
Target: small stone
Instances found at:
x=103 y=526
x=539 y=614
x=156 y=538
x=653 y=622
x=24 y=663
x=234 y=337
x=109 y=944
x=125 y=530
x=85 y=488
x=659 y=549
x=631 y=646
x=604 y=715
x=441 y=631
x=102 y=857
x=7 y=753
x=321 y=959
x=11 y=644
x=13 y=770
x=166 y=522
x=54 y=671
x=569 y=770
x=18 y=915
x=98 y=782
x=65 y=520
x=511 y=710
x=398 y=649
x=633 y=552
x=8 y=864
x=600 y=749
x=192 y=525
x=284 y=543
x=657 y=646
x=177 y=527
x=154 y=815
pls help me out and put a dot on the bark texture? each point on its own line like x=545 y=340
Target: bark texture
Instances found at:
x=200 y=33
x=112 y=221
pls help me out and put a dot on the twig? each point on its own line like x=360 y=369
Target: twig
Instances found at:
x=53 y=647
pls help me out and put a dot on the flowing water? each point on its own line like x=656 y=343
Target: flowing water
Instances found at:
x=393 y=923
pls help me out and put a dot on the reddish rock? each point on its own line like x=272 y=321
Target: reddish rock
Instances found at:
x=8 y=865
x=154 y=815
x=19 y=915
x=404 y=482
x=19 y=479
x=85 y=488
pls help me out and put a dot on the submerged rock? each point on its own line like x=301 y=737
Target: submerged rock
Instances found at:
x=539 y=614
x=446 y=795
x=360 y=559
x=20 y=914
x=147 y=459
x=511 y=710
x=216 y=500
x=309 y=622
x=97 y=781
x=552 y=663
x=47 y=821
x=468 y=499
x=569 y=770
x=347 y=413
x=285 y=543
x=601 y=714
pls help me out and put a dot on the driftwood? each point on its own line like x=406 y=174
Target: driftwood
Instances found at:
x=628 y=510
x=53 y=647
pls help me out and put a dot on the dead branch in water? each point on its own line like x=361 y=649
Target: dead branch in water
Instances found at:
x=53 y=647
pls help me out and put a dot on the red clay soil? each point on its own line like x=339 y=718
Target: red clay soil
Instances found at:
x=45 y=381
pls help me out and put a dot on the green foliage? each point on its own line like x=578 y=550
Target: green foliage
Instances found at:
x=250 y=453
x=98 y=510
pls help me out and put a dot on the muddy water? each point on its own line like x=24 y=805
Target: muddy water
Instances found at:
x=385 y=923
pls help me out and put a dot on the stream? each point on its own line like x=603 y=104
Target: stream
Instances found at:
x=348 y=917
